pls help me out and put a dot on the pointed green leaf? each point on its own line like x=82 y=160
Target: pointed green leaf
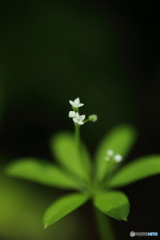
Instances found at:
x=113 y=203
x=62 y=207
x=136 y=170
x=120 y=140
x=42 y=172
x=64 y=149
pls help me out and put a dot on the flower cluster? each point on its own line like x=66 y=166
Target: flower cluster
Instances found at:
x=77 y=118
x=110 y=154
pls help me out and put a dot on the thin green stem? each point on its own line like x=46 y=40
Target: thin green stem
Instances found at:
x=85 y=164
x=77 y=139
x=103 y=224
x=87 y=120
x=78 y=145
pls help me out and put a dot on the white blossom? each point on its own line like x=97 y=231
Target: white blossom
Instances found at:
x=79 y=118
x=93 y=117
x=118 y=158
x=71 y=114
x=111 y=155
x=76 y=103
x=110 y=152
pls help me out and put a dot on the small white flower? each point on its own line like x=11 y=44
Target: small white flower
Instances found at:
x=118 y=158
x=110 y=152
x=76 y=103
x=79 y=118
x=93 y=117
x=71 y=114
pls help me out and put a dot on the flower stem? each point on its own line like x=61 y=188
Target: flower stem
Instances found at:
x=78 y=144
x=77 y=138
x=80 y=152
x=103 y=225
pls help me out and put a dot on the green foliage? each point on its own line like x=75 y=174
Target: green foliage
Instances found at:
x=63 y=147
x=120 y=139
x=62 y=207
x=115 y=204
x=73 y=174
x=42 y=172
x=136 y=170
x=22 y=206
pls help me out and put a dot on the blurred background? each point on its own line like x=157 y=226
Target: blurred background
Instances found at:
x=108 y=54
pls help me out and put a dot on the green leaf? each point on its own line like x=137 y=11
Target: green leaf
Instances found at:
x=62 y=207
x=64 y=149
x=114 y=203
x=136 y=170
x=42 y=172
x=120 y=140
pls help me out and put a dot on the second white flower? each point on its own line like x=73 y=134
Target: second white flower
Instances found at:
x=79 y=118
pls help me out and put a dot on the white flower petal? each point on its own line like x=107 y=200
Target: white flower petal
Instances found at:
x=75 y=120
x=79 y=118
x=80 y=123
x=77 y=115
x=118 y=158
x=71 y=102
x=110 y=152
x=82 y=117
x=71 y=114
x=77 y=101
x=81 y=104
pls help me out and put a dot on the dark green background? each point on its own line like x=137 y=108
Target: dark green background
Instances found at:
x=105 y=52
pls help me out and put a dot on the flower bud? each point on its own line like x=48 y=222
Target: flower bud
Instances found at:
x=93 y=118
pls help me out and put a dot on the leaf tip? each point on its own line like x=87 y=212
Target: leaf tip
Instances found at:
x=45 y=226
x=125 y=219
